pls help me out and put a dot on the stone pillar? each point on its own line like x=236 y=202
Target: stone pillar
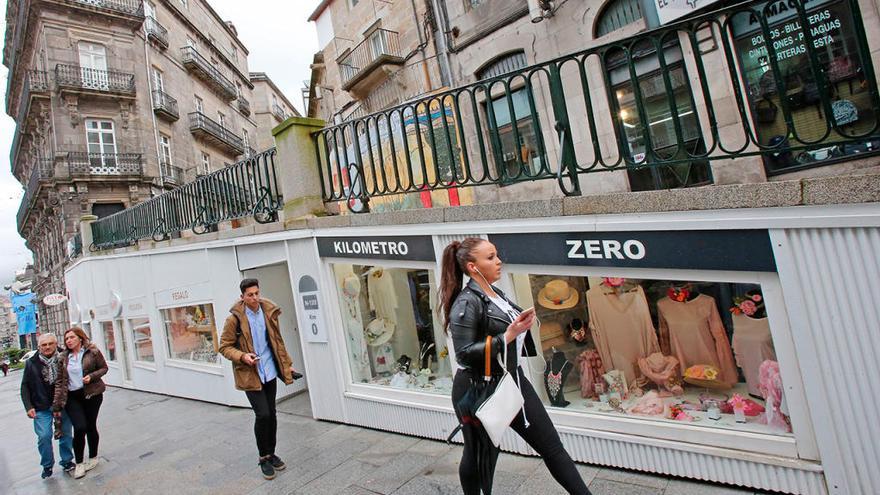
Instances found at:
x=85 y=232
x=297 y=168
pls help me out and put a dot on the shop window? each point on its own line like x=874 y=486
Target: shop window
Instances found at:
x=109 y=339
x=668 y=142
x=391 y=333
x=836 y=48
x=191 y=333
x=143 y=339
x=672 y=351
x=515 y=142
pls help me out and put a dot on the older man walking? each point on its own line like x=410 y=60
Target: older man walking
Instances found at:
x=37 y=394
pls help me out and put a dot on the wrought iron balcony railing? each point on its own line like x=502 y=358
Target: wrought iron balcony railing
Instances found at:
x=156 y=32
x=78 y=78
x=247 y=188
x=203 y=127
x=171 y=174
x=380 y=47
x=278 y=112
x=653 y=109
x=244 y=106
x=201 y=67
x=165 y=106
x=133 y=8
x=42 y=170
x=82 y=163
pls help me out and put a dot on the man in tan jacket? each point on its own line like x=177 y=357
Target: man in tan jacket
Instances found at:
x=252 y=341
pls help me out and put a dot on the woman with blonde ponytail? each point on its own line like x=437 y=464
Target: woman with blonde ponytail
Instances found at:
x=471 y=314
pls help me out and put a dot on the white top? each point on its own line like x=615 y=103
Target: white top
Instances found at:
x=75 y=370
x=512 y=314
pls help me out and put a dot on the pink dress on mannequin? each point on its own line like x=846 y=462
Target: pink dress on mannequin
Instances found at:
x=622 y=329
x=752 y=345
x=692 y=332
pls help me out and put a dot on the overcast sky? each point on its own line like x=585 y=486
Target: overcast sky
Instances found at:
x=281 y=43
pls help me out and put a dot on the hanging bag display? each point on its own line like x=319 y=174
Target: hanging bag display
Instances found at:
x=765 y=111
x=502 y=401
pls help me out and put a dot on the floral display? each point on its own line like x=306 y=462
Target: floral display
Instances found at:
x=751 y=305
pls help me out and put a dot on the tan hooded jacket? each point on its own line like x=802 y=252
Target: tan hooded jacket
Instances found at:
x=236 y=341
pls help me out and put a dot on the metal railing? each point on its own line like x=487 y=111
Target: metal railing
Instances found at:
x=84 y=78
x=244 y=106
x=278 y=112
x=84 y=163
x=201 y=123
x=156 y=31
x=131 y=7
x=42 y=169
x=380 y=45
x=163 y=103
x=647 y=102
x=193 y=60
x=171 y=174
x=247 y=188
x=75 y=247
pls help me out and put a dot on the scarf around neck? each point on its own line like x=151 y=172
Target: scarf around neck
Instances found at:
x=50 y=367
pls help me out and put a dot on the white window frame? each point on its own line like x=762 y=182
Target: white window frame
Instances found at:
x=200 y=104
x=101 y=163
x=206 y=163
x=165 y=152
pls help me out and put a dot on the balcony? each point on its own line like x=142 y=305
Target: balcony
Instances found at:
x=81 y=163
x=165 y=106
x=213 y=133
x=278 y=112
x=244 y=106
x=37 y=82
x=78 y=79
x=42 y=171
x=365 y=66
x=127 y=10
x=156 y=32
x=170 y=174
x=205 y=70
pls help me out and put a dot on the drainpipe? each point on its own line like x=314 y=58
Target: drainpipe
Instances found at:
x=152 y=113
x=422 y=44
x=440 y=41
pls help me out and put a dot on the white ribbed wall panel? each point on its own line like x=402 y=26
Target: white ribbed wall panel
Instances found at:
x=615 y=452
x=832 y=278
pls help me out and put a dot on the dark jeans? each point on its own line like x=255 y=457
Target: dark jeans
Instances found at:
x=84 y=416
x=265 y=423
x=541 y=435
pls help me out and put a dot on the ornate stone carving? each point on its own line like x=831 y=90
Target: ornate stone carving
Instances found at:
x=72 y=103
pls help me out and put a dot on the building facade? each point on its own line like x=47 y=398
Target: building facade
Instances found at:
x=116 y=101
x=270 y=108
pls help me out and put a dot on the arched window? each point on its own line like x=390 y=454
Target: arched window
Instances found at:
x=502 y=65
x=617 y=14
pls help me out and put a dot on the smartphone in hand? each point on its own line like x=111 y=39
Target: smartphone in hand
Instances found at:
x=527 y=313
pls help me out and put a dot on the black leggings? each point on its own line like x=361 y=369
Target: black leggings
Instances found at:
x=84 y=416
x=265 y=421
x=541 y=435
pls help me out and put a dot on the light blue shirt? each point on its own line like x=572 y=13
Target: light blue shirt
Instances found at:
x=75 y=370
x=266 y=365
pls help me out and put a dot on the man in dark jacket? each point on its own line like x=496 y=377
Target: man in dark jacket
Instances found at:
x=37 y=394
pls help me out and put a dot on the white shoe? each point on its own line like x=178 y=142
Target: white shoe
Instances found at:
x=90 y=464
x=79 y=471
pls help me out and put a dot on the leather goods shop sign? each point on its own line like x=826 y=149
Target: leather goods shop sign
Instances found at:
x=735 y=250
x=411 y=248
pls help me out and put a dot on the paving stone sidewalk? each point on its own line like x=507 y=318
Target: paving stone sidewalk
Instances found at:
x=157 y=444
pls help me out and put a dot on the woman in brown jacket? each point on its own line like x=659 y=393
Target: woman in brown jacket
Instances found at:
x=80 y=391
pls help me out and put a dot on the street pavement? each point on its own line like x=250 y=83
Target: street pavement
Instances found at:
x=157 y=444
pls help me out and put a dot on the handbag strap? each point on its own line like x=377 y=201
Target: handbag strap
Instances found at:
x=488 y=374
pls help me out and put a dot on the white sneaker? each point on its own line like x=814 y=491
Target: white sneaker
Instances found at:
x=92 y=463
x=79 y=471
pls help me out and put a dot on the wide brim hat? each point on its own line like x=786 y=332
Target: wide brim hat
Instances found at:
x=557 y=294
x=379 y=331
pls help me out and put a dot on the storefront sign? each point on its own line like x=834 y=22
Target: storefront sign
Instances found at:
x=134 y=308
x=54 y=299
x=413 y=248
x=184 y=296
x=782 y=11
x=670 y=10
x=737 y=250
x=314 y=329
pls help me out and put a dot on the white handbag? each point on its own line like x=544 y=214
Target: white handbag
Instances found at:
x=497 y=412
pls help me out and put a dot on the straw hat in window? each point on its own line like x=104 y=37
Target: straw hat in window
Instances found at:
x=379 y=331
x=351 y=286
x=557 y=294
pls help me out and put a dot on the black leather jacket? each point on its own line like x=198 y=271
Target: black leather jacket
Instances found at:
x=474 y=317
